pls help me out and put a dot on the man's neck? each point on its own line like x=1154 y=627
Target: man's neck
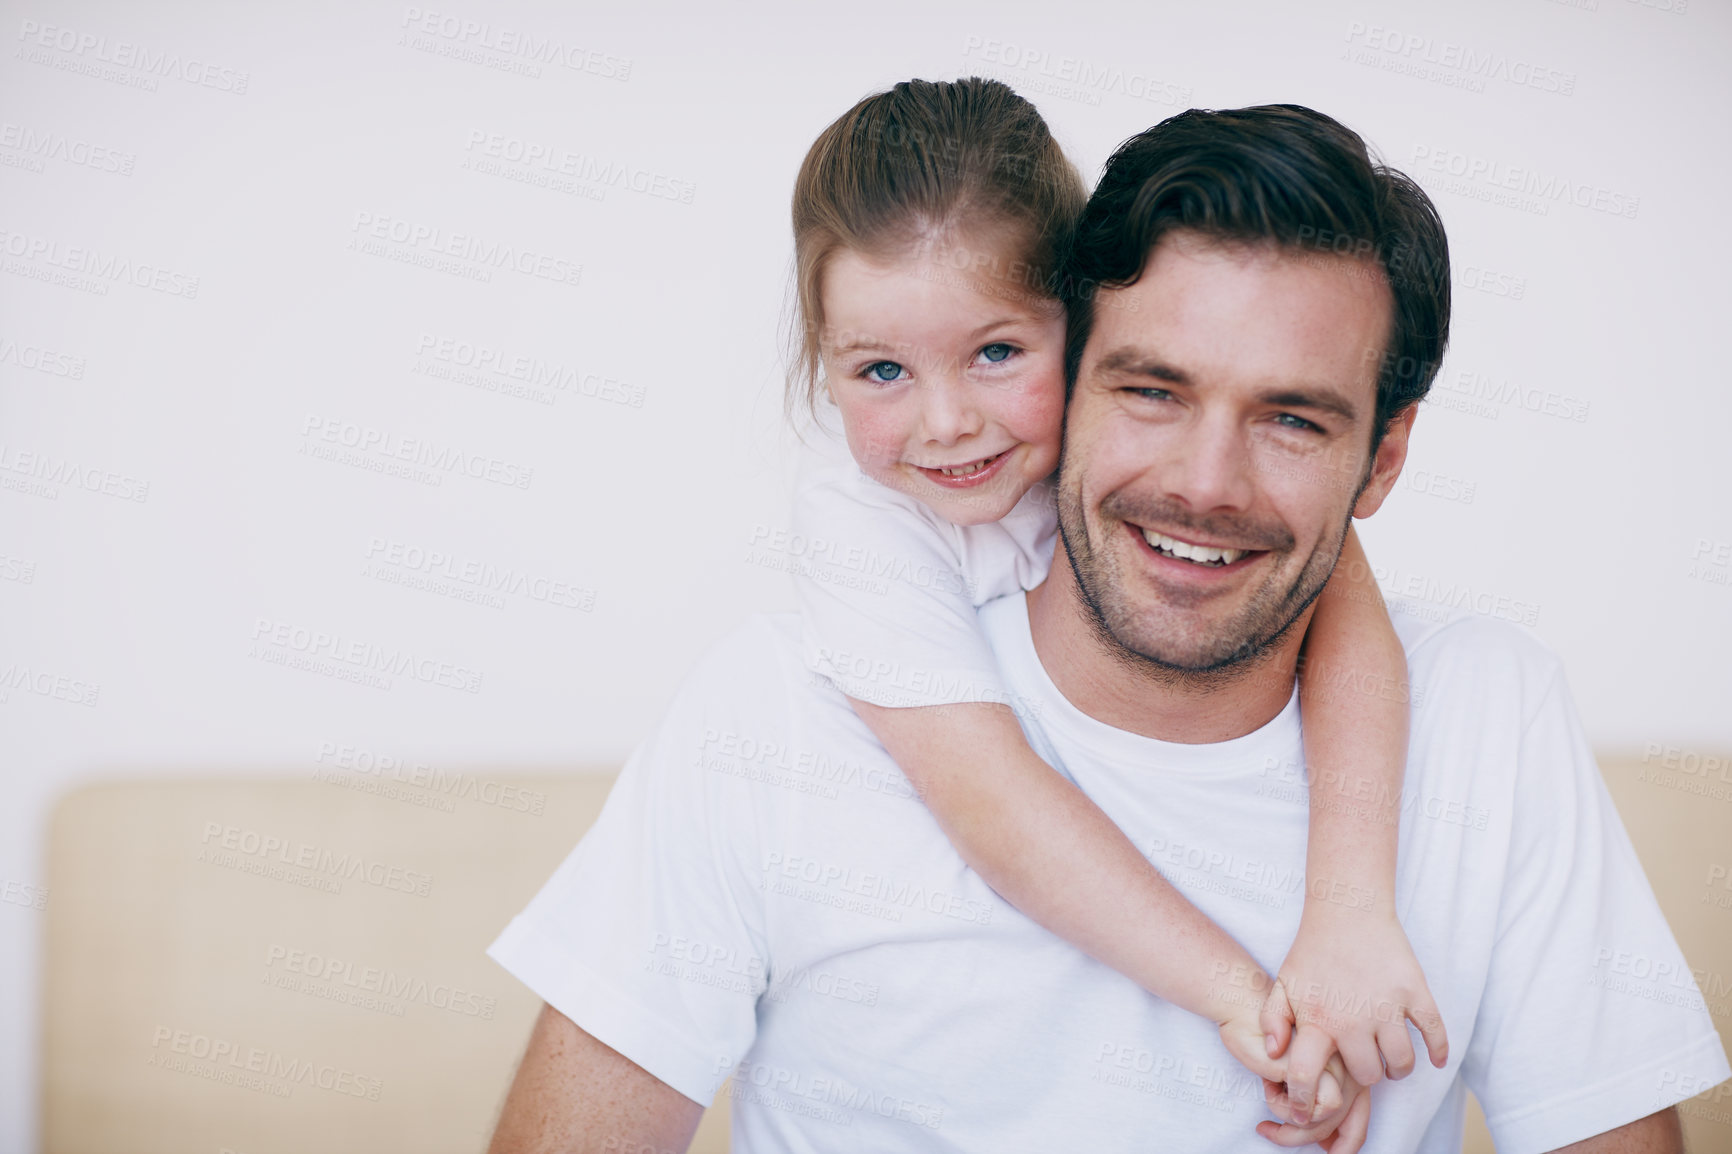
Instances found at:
x=1117 y=689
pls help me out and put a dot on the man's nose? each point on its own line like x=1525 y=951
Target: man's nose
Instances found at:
x=1210 y=467
x=949 y=413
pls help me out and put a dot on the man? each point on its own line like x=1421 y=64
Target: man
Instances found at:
x=764 y=897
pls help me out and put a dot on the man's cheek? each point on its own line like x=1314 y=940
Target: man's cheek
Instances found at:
x=1311 y=495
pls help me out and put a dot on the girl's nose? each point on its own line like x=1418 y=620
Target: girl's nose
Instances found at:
x=949 y=413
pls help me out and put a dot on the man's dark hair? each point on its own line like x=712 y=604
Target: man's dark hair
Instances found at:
x=1281 y=173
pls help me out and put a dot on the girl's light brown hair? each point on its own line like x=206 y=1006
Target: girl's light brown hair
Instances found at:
x=930 y=158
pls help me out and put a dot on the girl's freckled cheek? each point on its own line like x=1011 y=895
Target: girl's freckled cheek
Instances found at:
x=875 y=440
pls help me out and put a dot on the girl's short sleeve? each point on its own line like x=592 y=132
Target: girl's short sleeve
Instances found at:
x=887 y=607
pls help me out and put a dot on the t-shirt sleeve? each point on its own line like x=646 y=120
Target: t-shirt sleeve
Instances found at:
x=887 y=611
x=649 y=935
x=1569 y=1042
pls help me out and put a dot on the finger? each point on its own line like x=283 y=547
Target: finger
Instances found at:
x=1301 y=1134
x=1396 y=1047
x=1360 y=1054
x=1329 y=1091
x=1424 y=1014
x=1287 y=1134
x=1306 y=1057
x=1275 y=1097
x=1246 y=1045
x=1276 y=1020
x=1351 y=1135
x=1280 y=1103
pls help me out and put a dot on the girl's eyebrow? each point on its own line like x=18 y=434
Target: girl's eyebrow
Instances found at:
x=1012 y=319
x=862 y=344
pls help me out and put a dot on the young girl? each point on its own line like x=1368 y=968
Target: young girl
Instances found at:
x=927 y=223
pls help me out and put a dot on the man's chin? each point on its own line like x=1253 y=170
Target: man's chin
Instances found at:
x=1181 y=642
x=1183 y=659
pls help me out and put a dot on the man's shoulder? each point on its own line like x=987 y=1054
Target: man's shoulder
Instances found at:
x=755 y=675
x=754 y=660
x=1459 y=653
x=751 y=725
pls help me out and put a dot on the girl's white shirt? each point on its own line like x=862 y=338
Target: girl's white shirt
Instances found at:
x=888 y=589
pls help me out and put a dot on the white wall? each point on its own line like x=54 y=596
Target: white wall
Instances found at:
x=651 y=473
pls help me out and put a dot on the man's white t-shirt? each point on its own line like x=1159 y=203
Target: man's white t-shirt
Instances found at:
x=764 y=896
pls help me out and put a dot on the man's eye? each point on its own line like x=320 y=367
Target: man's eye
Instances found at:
x=883 y=371
x=998 y=351
x=1292 y=422
x=1150 y=394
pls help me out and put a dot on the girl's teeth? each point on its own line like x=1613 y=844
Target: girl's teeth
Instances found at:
x=968 y=470
x=1198 y=554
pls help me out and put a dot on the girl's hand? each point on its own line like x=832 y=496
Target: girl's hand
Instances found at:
x=1351 y=983
x=1246 y=1040
x=1341 y=1131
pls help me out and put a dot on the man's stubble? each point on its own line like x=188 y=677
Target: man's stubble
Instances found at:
x=1130 y=633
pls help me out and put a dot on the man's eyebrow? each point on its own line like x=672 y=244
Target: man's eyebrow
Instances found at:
x=1134 y=363
x=1319 y=397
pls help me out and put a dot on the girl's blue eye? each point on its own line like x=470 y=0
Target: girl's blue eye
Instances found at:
x=997 y=352
x=883 y=371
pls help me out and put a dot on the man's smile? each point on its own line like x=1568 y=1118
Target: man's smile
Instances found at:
x=1194 y=555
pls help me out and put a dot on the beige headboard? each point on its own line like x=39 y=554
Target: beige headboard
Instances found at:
x=284 y=965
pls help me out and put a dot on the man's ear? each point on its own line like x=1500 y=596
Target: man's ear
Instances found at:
x=1386 y=468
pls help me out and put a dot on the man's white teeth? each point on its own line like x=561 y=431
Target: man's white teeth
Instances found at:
x=969 y=470
x=1200 y=554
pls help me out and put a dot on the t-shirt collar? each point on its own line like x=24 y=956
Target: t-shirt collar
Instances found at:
x=1040 y=703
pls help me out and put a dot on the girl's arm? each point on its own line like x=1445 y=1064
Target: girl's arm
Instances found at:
x=871 y=622
x=1050 y=851
x=1351 y=950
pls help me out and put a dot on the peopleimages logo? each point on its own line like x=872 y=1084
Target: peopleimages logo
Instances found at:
x=892 y=893
x=369 y=765
x=156 y=63
x=363 y=658
x=41 y=360
x=226 y=845
x=1474 y=174
x=496 y=369
x=16 y=678
x=803 y=1088
x=256 y=1068
x=331 y=977
x=320 y=431
x=49 y=471
x=1070 y=77
x=374 y=231
x=1470 y=63
x=517 y=43
x=554 y=160
x=101 y=269
x=479 y=577
x=50 y=145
